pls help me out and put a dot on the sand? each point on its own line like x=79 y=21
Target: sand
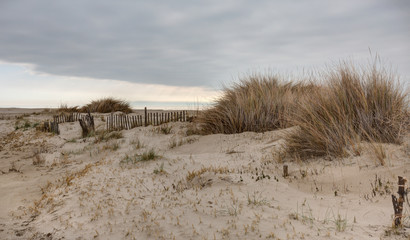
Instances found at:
x=199 y=187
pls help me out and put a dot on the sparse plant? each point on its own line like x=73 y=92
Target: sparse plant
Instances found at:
x=256 y=199
x=137 y=143
x=172 y=143
x=13 y=168
x=38 y=160
x=160 y=170
x=191 y=175
x=149 y=155
x=25 y=125
x=111 y=146
x=165 y=129
x=104 y=136
x=305 y=215
x=145 y=156
x=340 y=222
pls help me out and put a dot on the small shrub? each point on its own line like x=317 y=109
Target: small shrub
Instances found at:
x=107 y=105
x=148 y=155
x=25 y=125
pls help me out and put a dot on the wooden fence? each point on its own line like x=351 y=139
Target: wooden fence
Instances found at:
x=50 y=126
x=68 y=117
x=122 y=121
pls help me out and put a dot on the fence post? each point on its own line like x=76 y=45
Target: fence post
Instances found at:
x=156 y=114
x=398 y=203
x=145 y=117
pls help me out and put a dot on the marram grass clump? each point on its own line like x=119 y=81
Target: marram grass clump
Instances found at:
x=353 y=105
x=107 y=105
x=258 y=103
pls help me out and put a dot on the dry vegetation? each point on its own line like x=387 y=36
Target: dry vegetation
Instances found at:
x=351 y=105
x=64 y=108
x=354 y=105
x=258 y=103
x=103 y=105
x=107 y=105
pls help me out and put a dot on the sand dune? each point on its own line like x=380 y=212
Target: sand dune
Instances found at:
x=198 y=187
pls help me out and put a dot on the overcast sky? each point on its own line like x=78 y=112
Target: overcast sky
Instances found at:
x=181 y=47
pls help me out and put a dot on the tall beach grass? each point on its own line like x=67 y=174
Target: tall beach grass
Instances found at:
x=332 y=114
x=355 y=104
x=257 y=103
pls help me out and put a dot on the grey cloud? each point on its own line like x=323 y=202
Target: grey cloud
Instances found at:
x=191 y=43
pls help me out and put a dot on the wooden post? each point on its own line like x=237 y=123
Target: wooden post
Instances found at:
x=115 y=122
x=285 y=171
x=132 y=122
x=145 y=116
x=87 y=124
x=156 y=114
x=398 y=203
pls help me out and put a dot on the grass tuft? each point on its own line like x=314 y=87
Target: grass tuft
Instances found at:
x=64 y=108
x=258 y=103
x=353 y=105
x=107 y=105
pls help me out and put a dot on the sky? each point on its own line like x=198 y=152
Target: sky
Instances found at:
x=70 y=52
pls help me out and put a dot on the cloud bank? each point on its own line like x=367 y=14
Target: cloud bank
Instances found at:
x=197 y=43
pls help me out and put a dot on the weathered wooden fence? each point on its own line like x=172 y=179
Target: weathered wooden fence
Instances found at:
x=50 y=126
x=68 y=117
x=120 y=121
x=123 y=121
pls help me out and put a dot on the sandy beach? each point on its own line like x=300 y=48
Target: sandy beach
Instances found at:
x=197 y=187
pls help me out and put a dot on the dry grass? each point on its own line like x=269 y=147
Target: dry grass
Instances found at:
x=107 y=105
x=64 y=108
x=258 y=103
x=104 y=136
x=353 y=105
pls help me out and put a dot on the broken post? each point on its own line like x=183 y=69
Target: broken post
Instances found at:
x=285 y=171
x=87 y=124
x=398 y=203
